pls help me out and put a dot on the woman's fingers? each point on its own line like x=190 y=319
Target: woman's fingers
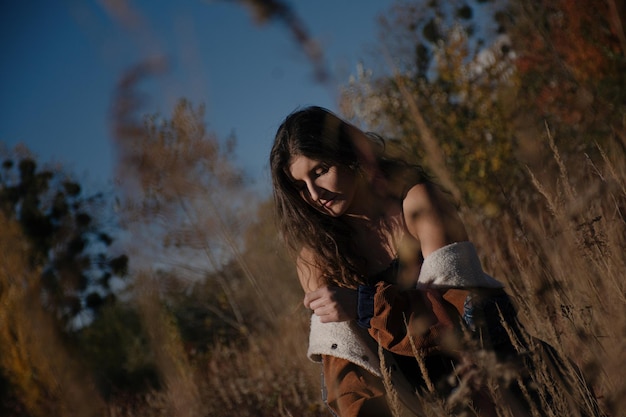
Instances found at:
x=315 y=299
x=332 y=303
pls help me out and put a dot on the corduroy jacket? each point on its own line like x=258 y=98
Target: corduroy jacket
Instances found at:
x=351 y=357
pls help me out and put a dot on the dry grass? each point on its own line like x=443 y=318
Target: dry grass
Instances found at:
x=559 y=249
x=562 y=258
x=564 y=266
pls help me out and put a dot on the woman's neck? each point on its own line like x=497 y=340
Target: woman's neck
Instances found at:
x=371 y=201
x=367 y=205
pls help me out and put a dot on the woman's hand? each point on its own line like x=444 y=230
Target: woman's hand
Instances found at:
x=332 y=304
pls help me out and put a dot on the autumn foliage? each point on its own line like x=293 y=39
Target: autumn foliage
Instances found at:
x=572 y=64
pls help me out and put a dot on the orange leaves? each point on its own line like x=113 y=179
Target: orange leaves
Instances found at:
x=564 y=42
x=576 y=41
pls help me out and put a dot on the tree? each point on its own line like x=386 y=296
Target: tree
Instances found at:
x=444 y=97
x=474 y=106
x=67 y=242
x=571 y=62
x=184 y=201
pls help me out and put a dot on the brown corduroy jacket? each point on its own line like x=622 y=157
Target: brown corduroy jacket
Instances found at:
x=406 y=323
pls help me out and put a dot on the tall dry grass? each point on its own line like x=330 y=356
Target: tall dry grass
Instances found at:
x=562 y=254
x=559 y=248
x=196 y=225
x=45 y=377
x=562 y=258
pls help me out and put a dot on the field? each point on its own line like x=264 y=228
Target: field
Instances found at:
x=209 y=320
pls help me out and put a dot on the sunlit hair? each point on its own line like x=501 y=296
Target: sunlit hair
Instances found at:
x=318 y=134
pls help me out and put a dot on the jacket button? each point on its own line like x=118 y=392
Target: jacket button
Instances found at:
x=334 y=346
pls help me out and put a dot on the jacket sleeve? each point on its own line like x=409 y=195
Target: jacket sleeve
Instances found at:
x=394 y=317
x=352 y=391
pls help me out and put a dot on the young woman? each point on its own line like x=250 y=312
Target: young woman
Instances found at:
x=386 y=266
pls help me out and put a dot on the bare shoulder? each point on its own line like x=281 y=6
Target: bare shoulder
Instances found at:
x=309 y=273
x=431 y=217
x=427 y=199
x=417 y=198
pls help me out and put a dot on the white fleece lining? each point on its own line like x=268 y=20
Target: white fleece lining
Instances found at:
x=455 y=266
x=343 y=340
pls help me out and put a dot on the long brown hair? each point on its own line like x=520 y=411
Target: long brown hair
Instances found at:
x=318 y=134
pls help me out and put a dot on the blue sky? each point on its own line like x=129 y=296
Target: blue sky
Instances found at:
x=61 y=61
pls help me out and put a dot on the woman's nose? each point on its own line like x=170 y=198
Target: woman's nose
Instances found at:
x=313 y=191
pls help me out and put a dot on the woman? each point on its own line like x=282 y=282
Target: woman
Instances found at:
x=386 y=266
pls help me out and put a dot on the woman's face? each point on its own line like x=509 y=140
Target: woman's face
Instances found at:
x=330 y=189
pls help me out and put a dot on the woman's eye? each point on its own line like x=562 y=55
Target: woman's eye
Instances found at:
x=321 y=170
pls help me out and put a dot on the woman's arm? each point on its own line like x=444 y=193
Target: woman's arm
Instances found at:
x=331 y=304
x=308 y=272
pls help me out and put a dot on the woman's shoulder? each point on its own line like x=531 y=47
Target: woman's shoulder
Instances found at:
x=431 y=217
x=427 y=196
x=417 y=197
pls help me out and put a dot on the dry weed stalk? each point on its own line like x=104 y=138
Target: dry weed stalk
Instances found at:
x=266 y=378
x=392 y=394
x=434 y=154
x=46 y=379
x=566 y=272
x=179 y=378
